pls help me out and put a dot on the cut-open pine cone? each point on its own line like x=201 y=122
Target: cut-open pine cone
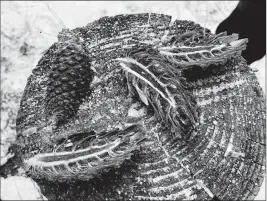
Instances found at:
x=137 y=107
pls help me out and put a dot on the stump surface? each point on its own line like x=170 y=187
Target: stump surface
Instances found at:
x=225 y=156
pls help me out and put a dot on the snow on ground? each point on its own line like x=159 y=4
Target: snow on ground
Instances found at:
x=28 y=28
x=11 y=189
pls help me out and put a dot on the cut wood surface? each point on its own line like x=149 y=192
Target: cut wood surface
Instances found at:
x=224 y=156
